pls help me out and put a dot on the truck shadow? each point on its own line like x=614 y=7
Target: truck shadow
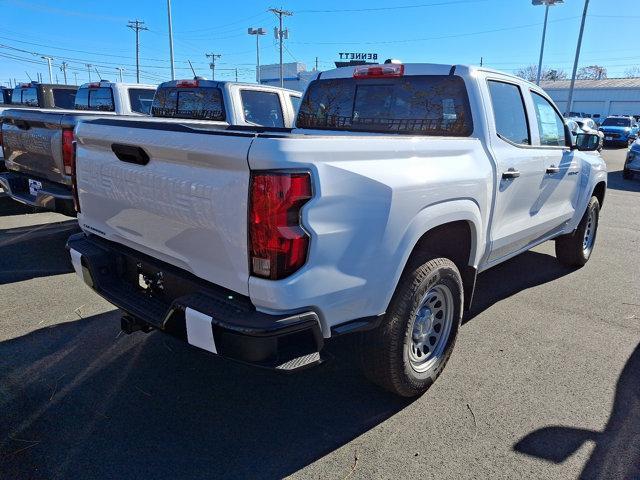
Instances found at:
x=617 y=447
x=491 y=286
x=78 y=400
x=9 y=207
x=35 y=251
x=616 y=182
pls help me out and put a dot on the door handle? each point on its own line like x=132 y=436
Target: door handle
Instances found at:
x=552 y=169
x=130 y=153
x=510 y=174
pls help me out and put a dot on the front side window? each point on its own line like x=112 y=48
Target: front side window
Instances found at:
x=550 y=123
x=204 y=103
x=509 y=112
x=141 y=99
x=435 y=105
x=262 y=108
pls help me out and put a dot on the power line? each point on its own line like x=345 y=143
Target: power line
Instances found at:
x=398 y=7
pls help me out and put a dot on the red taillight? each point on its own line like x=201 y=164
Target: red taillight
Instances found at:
x=187 y=83
x=277 y=242
x=67 y=151
x=93 y=85
x=379 y=71
x=69 y=162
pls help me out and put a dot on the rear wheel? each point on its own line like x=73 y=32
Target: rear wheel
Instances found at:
x=410 y=348
x=574 y=249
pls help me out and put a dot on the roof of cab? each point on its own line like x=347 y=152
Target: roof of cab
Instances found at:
x=107 y=83
x=221 y=83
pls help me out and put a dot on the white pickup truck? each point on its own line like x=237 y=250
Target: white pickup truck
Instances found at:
x=399 y=185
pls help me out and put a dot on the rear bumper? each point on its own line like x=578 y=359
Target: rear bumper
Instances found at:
x=200 y=313
x=51 y=196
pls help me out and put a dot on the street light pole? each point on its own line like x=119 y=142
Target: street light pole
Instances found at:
x=257 y=32
x=49 y=59
x=575 y=63
x=173 y=73
x=547 y=4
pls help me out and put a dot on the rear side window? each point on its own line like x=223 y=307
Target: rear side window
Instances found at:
x=295 y=102
x=141 y=99
x=26 y=96
x=550 y=123
x=422 y=105
x=64 y=98
x=262 y=108
x=204 y=103
x=98 y=99
x=509 y=113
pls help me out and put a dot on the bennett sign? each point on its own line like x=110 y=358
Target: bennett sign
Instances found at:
x=357 y=56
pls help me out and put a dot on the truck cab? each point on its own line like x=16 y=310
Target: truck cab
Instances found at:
x=230 y=103
x=118 y=97
x=43 y=95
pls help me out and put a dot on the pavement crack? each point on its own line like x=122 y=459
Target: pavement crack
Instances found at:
x=354 y=466
x=475 y=423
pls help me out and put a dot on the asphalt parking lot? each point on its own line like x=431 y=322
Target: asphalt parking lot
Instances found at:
x=544 y=381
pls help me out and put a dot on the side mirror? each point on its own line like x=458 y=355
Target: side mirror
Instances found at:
x=587 y=142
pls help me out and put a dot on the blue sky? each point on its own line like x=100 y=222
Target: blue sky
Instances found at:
x=506 y=33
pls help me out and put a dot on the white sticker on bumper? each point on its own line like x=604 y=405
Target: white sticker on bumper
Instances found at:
x=76 y=261
x=199 y=331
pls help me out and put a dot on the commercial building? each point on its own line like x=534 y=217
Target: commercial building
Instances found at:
x=296 y=76
x=611 y=96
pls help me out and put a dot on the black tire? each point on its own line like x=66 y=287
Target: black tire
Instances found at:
x=570 y=248
x=384 y=351
x=627 y=174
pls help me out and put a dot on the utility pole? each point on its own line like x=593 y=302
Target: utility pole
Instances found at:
x=63 y=67
x=281 y=35
x=120 y=70
x=88 y=65
x=575 y=63
x=316 y=64
x=257 y=32
x=236 y=75
x=213 y=57
x=173 y=73
x=136 y=26
x=481 y=61
x=75 y=76
x=49 y=60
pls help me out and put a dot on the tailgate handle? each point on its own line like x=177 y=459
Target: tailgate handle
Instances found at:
x=21 y=124
x=130 y=153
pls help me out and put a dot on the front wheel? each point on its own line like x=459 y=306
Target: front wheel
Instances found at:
x=574 y=249
x=410 y=348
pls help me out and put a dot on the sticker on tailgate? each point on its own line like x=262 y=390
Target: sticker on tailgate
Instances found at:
x=34 y=187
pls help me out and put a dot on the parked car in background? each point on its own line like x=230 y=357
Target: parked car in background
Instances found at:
x=619 y=130
x=227 y=103
x=597 y=118
x=374 y=215
x=632 y=162
x=38 y=144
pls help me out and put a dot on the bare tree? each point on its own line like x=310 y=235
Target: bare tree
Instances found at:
x=632 y=72
x=592 y=72
x=530 y=73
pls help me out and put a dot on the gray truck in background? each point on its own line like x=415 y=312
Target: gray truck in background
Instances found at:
x=38 y=143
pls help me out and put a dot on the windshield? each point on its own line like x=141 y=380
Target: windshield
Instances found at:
x=203 y=103
x=423 y=105
x=616 y=122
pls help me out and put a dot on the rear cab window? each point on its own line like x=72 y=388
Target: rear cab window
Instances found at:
x=262 y=108
x=95 y=99
x=194 y=99
x=436 y=105
x=295 y=103
x=141 y=99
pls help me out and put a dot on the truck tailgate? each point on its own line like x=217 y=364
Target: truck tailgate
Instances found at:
x=33 y=144
x=186 y=205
